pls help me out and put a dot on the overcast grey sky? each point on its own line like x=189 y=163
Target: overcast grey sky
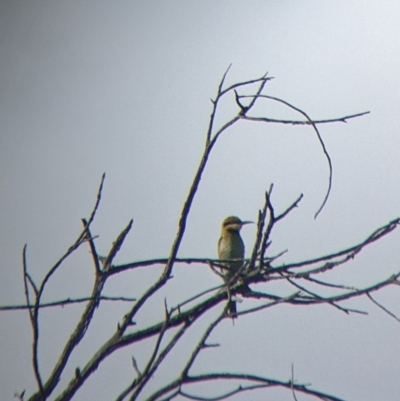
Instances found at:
x=124 y=88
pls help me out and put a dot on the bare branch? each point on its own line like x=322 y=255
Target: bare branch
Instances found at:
x=292 y=382
x=225 y=396
x=267 y=382
x=118 y=341
x=245 y=83
x=154 y=366
x=265 y=240
x=376 y=235
x=26 y=289
x=275 y=302
x=320 y=141
x=92 y=247
x=84 y=321
x=200 y=344
x=290 y=208
x=98 y=199
x=81 y=239
x=312 y=299
x=116 y=247
x=194 y=297
x=223 y=80
x=145 y=376
x=260 y=228
x=63 y=302
x=340 y=286
x=382 y=307
x=35 y=313
x=151 y=262
x=305 y=122
x=215 y=105
x=34 y=323
x=320 y=298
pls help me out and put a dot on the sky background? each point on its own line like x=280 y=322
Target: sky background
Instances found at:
x=124 y=88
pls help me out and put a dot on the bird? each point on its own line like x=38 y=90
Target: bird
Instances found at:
x=231 y=246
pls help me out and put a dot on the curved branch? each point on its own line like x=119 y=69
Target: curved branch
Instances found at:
x=306 y=122
x=267 y=382
x=319 y=139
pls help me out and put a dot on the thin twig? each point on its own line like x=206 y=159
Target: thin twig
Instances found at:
x=306 y=122
x=320 y=298
x=213 y=377
x=319 y=139
x=331 y=285
x=95 y=256
x=270 y=225
x=201 y=343
x=225 y=396
x=377 y=234
x=382 y=307
x=81 y=239
x=215 y=105
x=145 y=376
x=34 y=323
x=26 y=289
x=257 y=243
x=63 y=302
x=292 y=383
x=245 y=83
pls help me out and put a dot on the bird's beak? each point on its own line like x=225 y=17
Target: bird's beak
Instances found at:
x=247 y=222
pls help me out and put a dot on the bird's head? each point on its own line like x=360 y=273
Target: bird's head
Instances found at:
x=233 y=223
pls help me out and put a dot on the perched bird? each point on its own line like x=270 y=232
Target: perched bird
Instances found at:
x=231 y=246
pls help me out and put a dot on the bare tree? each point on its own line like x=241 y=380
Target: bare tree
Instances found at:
x=261 y=267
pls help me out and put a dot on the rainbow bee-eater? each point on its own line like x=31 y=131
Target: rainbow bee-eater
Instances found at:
x=231 y=246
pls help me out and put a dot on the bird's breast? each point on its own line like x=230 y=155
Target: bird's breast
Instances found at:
x=231 y=247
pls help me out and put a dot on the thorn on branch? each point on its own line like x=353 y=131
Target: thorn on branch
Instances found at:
x=211 y=345
x=166 y=313
x=129 y=323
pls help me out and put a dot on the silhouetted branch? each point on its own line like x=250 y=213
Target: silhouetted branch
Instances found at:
x=328 y=158
x=200 y=344
x=382 y=307
x=95 y=256
x=262 y=79
x=213 y=377
x=79 y=241
x=305 y=122
x=313 y=299
x=321 y=298
x=292 y=383
x=34 y=323
x=26 y=280
x=63 y=302
x=260 y=228
x=350 y=253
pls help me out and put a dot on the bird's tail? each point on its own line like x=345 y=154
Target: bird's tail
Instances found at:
x=232 y=311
